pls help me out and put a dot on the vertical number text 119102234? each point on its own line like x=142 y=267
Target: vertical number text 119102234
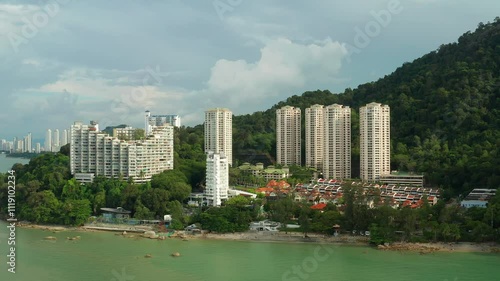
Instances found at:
x=11 y=218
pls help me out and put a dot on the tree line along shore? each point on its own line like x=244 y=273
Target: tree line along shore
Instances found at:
x=47 y=194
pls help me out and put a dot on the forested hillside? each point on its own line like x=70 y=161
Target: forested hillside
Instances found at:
x=445 y=117
x=445 y=123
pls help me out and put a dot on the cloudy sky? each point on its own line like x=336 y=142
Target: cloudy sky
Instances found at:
x=63 y=61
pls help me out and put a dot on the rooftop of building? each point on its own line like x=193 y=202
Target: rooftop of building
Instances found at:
x=218 y=109
x=275 y=171
x=319 y=206
x=477 y=198
x=480 y=194
x=260 y=167
x=288 y=107
x=163 y=115
x=403 y=173
x=483 y=190
x=372 y=104
x=118 y=210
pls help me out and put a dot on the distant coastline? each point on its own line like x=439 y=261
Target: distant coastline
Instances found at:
x=293 y=237
x=23 y=155
x=6 y=162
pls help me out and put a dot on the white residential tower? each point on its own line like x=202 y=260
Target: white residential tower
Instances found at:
x=337 y=142
x=288 y=139
x=48 y=140
x=217 y=182
x=219 y=132
x=93 y=153
x=315 y=136
x=375 y=142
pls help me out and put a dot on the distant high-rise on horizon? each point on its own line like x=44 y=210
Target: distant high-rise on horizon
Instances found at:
x=48 y=140
x=55 y=140
x=65 y=138
x=219 y=132
x=29 y=145
x=20 y=145
x=375 y=141
x=288 y=139
x=160 y=120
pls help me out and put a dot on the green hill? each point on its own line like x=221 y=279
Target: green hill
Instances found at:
x=444 y=114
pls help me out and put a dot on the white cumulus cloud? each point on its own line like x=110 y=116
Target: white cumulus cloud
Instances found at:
x=283 y=66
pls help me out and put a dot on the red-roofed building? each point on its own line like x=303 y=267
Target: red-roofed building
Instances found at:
x=418 y=204
x=406 y=203
x=264 y=190
x=432 y=200
x=319 y=206
x=272 y=183
x=283 y=184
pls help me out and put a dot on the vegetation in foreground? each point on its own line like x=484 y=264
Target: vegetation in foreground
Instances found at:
x=46 y=194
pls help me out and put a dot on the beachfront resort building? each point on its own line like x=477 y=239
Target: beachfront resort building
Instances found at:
x=217 y=179
x=288 y=139
x=94 y=153
x=375 y=142
x=219 y=132
x=112 y=215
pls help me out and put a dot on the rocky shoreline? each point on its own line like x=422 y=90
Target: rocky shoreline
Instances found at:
x=294 y=237
x=427 y=248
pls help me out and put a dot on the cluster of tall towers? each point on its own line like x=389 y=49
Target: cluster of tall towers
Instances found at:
x=328 y=139
x=20 y=145
x=54 y=140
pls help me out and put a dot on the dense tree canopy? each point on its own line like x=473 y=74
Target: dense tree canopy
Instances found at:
x=445 y=114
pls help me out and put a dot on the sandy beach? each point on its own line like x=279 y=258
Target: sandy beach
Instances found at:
x=422 y=248
x=52 y=228
x=285 y=237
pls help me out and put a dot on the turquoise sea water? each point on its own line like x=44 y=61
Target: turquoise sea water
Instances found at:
x=106 y=256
